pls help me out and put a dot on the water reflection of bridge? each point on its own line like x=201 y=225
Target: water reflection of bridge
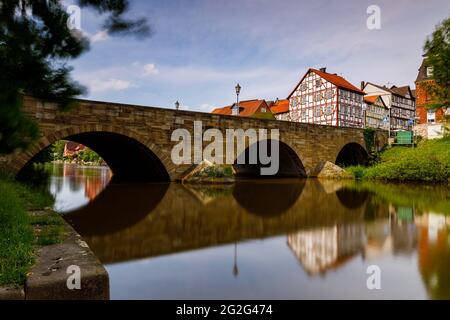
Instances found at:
x=118 y=226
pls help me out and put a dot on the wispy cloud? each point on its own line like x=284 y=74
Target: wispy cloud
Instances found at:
x=99 y=36
x=108 y=85
x=150 y=69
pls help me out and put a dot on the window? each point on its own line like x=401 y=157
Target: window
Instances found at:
x=317 y=111
x=329 y=94
x=263 y=109
x=328 y=109
x=318 y=83
x=317 y=96
x=431 y=116
x=429 y=72
x=303 y=114
x=303 y=99
x=235 y=110
x=293 y=102
x=303 y=87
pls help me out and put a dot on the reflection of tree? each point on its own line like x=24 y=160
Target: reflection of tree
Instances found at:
x=434 y=255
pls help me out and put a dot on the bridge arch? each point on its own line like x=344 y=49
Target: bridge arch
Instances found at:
x=131 y=157
x=352 y=154
x=290 y=163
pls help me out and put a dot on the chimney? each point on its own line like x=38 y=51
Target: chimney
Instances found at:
x=362 y=85
x=323 y=69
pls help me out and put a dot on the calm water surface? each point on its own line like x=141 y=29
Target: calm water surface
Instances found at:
x=267 y=239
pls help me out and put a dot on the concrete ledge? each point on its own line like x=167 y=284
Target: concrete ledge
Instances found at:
x=12 y=293
x=48 y=277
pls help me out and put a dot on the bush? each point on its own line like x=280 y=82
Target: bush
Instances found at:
x=429 y=162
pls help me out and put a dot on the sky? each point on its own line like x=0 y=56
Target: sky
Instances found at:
x=200 y=49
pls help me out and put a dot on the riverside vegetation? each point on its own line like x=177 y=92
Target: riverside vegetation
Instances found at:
x=428 y=162
x=26 y=223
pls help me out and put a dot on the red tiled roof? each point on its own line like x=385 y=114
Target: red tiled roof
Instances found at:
x=370 y=99
x=246 y=108
x=280 y=106
x=338 y=81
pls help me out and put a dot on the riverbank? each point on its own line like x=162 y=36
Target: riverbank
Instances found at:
x=17 y=237
x=37 y=246
x=428 y=162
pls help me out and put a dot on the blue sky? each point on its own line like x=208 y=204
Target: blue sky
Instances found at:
x=200 y=49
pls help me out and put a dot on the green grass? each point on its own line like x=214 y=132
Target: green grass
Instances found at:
x=17 y=239
x=428 y=162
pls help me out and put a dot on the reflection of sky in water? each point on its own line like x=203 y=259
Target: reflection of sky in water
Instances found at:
x=74 y=186
x=317 y=239
x=267 y=270
x=66 y=198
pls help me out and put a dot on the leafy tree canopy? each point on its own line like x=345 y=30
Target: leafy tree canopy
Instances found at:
x=35 y=46
x=437 y=48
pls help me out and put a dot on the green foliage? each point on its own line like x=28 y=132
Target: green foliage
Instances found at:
x=429 y=162
x=216 y=171
x=369 y=139
x=437 y=49
x=35 y=46
x=88 y=155
x=357 y=171
x=17 y=240
x=264 y=115
x=57 y=150
x=16 y=235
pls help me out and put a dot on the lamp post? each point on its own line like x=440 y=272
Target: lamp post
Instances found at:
x=364 y=108
x=238 y=91
x=177 y=105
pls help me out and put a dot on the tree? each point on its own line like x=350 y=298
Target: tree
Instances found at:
x=35 y=45
x=437 y=48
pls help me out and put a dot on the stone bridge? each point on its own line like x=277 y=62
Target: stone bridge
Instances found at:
x=135 y=141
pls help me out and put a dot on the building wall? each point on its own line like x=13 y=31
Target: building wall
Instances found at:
x=314 y=101
x=350 y=109
x=401 y=109
x=422 y=98
x=283 y=116
x=375 y=113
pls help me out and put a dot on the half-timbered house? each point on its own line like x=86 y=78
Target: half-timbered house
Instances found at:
x=327 y=99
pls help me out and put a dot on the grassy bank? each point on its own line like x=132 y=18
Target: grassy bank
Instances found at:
x=21 y=231
x=428 y=162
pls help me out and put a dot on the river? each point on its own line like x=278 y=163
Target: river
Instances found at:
x=261 y=239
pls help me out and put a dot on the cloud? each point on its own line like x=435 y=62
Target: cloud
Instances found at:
x=108 y=85
x=150 y=69
x=99 y=36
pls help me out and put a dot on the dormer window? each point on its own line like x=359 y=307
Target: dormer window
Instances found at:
x=429 y=72
x=235 y=110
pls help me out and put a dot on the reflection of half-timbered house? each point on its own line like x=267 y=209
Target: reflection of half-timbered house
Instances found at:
x=325 y=98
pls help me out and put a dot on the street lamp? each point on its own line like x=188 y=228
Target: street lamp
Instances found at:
x=364 y=108
x=177 y=105
x=238 y=91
